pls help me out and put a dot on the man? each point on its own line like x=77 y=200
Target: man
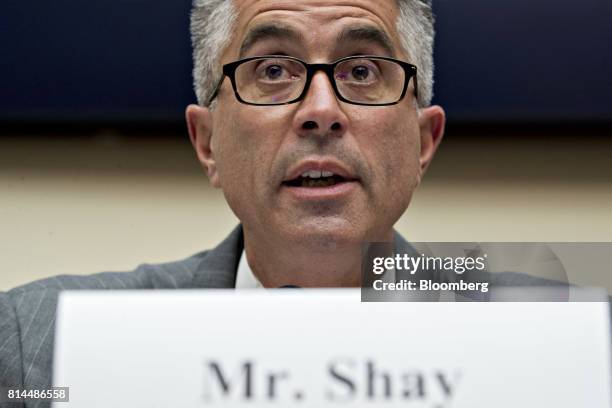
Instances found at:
x=259 y=155
x=314 y=118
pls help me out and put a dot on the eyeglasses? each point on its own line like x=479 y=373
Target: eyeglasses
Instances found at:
x=271 y=80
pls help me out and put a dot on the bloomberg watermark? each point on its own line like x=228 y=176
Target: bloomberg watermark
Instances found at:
x=485 y=272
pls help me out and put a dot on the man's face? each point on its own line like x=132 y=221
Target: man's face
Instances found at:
x=257 y=154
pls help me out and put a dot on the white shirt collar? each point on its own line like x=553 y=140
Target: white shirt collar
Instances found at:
x=245 y=279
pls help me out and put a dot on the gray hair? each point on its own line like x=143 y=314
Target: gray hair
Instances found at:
x=212 y=24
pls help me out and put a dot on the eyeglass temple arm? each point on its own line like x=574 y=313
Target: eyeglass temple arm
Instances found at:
x=217 y=88
x=416 y=85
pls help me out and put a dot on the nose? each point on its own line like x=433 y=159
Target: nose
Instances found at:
x=319 y=113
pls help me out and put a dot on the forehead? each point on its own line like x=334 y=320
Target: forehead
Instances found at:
x=314 y=18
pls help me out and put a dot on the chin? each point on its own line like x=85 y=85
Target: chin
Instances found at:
x=325 y=233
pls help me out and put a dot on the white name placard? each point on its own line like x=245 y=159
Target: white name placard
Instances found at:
x=324 y=348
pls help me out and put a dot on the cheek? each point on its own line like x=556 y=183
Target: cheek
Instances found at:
x=247 y=146
x=397 y=161
x=234 y=163
x=231 y=156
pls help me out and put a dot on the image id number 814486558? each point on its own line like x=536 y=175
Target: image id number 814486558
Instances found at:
x=17 y=394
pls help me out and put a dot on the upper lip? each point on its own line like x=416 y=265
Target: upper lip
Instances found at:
x=333 y=166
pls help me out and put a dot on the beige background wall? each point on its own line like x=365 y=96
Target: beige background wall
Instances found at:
x=96 y=202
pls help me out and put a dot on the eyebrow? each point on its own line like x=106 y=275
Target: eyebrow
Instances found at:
x=265 y=32
x=368 y=34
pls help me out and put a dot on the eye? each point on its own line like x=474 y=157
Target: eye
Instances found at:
x=361 y=73
x=273 y=71
x=276 y=70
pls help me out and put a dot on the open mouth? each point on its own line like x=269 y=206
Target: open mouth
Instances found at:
x=316 y=179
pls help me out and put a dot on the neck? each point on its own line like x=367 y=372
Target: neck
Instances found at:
x=322 y=263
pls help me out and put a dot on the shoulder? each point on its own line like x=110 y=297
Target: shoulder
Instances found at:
x=170 y=275
x=28 y=314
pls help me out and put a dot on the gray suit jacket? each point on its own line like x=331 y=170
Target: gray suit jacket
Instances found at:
x=27 y=313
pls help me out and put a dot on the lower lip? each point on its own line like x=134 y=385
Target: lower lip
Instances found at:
x=322 y=193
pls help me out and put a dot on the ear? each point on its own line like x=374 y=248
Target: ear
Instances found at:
x=432 y=121
x=199 y=124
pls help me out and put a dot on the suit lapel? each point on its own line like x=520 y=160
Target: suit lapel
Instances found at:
x=219 y=266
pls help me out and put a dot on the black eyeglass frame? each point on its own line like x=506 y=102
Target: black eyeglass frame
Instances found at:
x=229 y=70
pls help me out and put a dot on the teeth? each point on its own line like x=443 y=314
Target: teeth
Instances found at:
x=315 y=174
